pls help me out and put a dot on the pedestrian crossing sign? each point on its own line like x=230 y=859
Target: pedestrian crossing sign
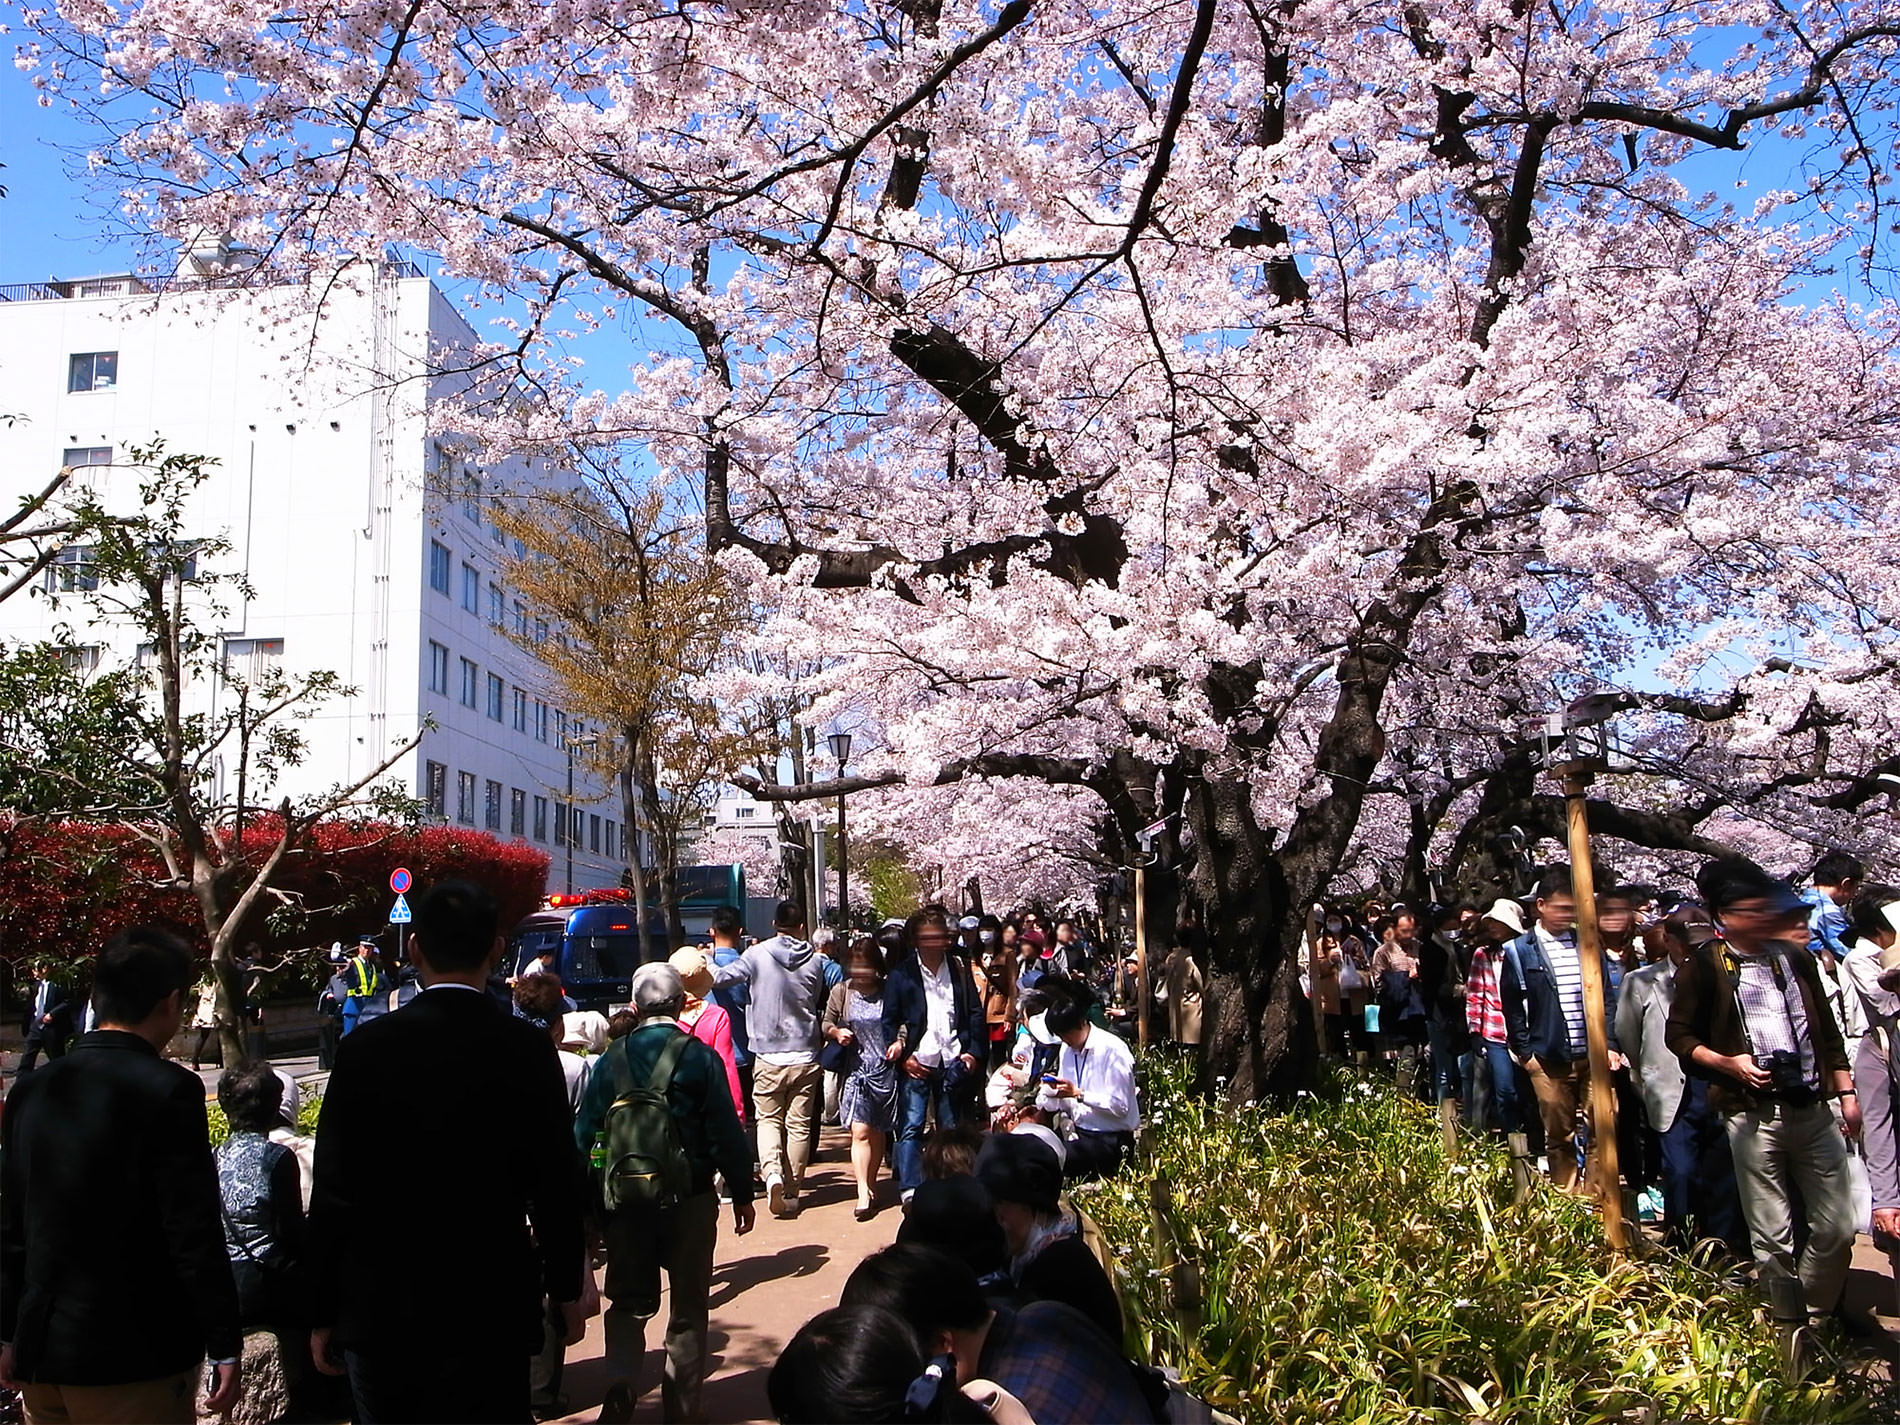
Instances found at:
x=399 y=913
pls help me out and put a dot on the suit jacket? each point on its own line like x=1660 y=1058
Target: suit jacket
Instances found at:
x=112 y=1261
x=60 y=1004
x=448 y=1118
x=907 y=1008
x=1642 y=1028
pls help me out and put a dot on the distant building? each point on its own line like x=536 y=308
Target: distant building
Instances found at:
x=365 y=537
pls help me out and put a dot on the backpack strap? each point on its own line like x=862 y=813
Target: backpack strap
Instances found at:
x=661 y=1079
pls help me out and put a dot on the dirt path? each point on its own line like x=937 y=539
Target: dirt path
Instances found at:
x=765 y=1286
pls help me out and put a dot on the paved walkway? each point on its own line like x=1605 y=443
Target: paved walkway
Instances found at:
x=765 y=1286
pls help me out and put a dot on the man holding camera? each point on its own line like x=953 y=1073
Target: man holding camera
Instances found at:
x=1751 y=1017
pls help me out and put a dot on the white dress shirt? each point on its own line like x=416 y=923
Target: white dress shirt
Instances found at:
x=1103 y=1072
x=939 y=1044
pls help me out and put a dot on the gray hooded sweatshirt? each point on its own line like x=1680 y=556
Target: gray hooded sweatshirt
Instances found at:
x=787 y=977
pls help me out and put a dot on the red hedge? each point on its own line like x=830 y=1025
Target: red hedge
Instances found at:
x=68 y=887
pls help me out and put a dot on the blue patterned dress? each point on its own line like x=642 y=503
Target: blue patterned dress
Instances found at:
x=869 y=1095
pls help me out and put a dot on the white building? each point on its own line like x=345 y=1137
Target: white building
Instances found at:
x=364 y=539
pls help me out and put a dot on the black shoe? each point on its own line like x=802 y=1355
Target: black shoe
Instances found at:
x=864 y=1214
x=617 y=1408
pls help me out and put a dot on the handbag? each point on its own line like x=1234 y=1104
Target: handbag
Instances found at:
x=836 y=1058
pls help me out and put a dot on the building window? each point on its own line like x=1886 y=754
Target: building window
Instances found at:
x=491 y=806
x=470 y=681
x=560 y=728
x=471 y=589
x=472 y=498
x=82 y=460
x=435 y=789
x=93 y=371
x=465 y=798
x=438 y=668
x=744 y=813
x=610 y=839
x=494 y=697
x=497 y=606
x=593 y=833
x=560 y=823
x=517 y=812
x=521 y=619
x=540 y=630
x=540 y=721
x=540 y=818
x=252 y=660
x=438 y=567
x=72 y=571
x=521 y=709
x=82 y=659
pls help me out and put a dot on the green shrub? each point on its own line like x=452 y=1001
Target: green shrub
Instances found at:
x=307 y=1111
x=1351 y=1272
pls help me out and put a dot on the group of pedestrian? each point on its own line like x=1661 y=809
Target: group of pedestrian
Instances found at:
x=1745 y=1025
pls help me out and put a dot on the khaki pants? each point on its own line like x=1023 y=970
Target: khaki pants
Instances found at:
x=786 y=1096
x=1781 y=1148
x=170 y=1401
x=1561 y=1089
x=639 y=1245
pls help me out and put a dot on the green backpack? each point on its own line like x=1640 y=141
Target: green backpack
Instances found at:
x=646 y=1162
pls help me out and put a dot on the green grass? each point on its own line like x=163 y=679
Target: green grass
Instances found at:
x=307 y=1112
x=1350 y=1271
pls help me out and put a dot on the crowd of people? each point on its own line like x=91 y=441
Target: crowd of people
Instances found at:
x=982 y=1068
x=1747 y=1025
x=528 y=1143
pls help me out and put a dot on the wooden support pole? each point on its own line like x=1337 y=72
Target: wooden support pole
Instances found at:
x=1602 y=1173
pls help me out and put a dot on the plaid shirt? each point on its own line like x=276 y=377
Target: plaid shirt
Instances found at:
x=1484 y=1005
x=1063 y=1369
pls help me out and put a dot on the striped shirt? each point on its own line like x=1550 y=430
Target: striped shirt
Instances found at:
x=1567 y=970
x=1484 y=1002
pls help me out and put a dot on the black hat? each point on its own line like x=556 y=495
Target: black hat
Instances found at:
x=956 y=1215
x=1016 y=1167
x=1730 y=880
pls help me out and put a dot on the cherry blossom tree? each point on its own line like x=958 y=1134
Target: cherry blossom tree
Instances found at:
x=1246 y=415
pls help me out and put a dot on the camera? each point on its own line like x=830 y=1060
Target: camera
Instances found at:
x=1783 y=1067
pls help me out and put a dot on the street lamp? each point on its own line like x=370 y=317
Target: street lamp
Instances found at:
x=591 y=740
x=1576 y=744
x=841 y=749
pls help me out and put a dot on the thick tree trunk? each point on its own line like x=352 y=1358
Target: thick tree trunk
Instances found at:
x=1258 y=1042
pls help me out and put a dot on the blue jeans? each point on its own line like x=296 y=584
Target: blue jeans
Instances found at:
x=1504 y=1096
x=915 y=1099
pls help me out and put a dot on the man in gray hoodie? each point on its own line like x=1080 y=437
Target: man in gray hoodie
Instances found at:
x=786 y=980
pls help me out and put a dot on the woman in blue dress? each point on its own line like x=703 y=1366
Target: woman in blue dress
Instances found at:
x=854 y=1017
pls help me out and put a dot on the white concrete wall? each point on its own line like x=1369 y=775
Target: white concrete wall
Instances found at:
x=321 y=434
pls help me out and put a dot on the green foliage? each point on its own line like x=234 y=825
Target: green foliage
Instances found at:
x=895 y=888
x=307 y=1111
x=1351 y=1272
x=66 y=735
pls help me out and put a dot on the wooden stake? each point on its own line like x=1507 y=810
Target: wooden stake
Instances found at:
x=1603 y=1175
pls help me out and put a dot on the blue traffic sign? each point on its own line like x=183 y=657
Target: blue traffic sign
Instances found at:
x=399 y=880
x=399 y=912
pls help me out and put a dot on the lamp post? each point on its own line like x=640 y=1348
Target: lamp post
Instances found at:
x=841 y=749
x=1576 y=747
x=590 y=740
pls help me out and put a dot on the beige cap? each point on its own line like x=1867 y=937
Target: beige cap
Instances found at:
x=695 y=974
x=1507 y=913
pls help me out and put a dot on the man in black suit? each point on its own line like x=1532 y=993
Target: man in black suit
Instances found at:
x=453 y=1113
x=49 y=1020
x=114 y=1283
